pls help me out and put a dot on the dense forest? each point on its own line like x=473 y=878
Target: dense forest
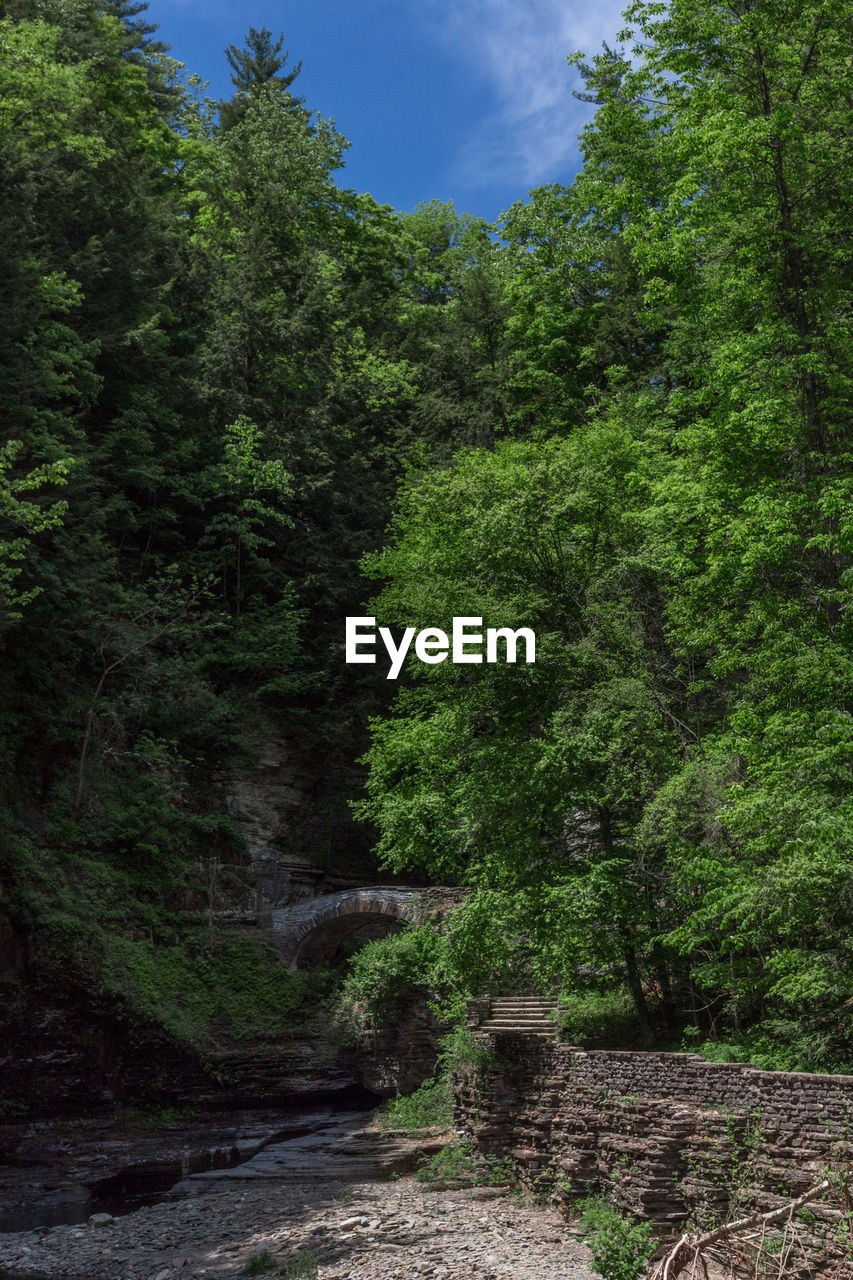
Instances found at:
x=241 y=402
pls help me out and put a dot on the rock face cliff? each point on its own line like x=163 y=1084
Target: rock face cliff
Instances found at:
x=68 y=1043
x=64 y=1050
x=67 y=1048
x=290 y=804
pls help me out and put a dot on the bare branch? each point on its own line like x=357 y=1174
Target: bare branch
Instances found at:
x=691 y=1244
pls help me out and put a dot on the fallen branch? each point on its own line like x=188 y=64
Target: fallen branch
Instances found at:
x=691 y=1244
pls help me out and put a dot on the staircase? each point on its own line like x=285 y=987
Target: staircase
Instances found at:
x=521 y=1016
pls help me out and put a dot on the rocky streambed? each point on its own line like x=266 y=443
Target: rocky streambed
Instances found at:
x=337 y=1202
x=60 y=1172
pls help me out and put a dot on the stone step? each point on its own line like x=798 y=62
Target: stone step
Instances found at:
x=523 y=1008
x=526 y=1019
x=544 y=1023
x=521 y=1016
x=505 y=1031
x=516 y=1013
x=520 y=1013
x=522 y=1000
x=522 y=1021
x=519 y=1031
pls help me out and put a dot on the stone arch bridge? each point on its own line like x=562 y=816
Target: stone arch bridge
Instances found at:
x=325 y=928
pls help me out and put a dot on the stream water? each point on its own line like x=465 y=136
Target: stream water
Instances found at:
x=34 y=1196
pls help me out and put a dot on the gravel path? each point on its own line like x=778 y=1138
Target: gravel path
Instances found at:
x=392 y=1230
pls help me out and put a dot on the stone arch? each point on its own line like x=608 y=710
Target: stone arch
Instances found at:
x=317 y=930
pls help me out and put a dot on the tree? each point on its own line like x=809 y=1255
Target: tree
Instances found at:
x=258 y=63
x=453 y=328
x=528 y=782
x=680 y=315
x=23 y=518
x=748 y=250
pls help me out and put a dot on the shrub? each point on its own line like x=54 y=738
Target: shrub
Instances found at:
x=381 y=980
x=620 y=1248
x=599 y=1017
x=305 y=1266
x=456 y=1166
x=453 y=1165
x=257 y=1264
x=204 y=989
x=429 y=1107
x=458 y=1050
x=776 y=1045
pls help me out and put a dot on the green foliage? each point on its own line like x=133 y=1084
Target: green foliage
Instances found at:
x=23 y=518
x=733 y=1169
x=105 y=925
x=793 y=1044
x=381 y=978
x=427 y=960
x=451 y=1166
x=211 y=990
x=146 y=1118
x=665 y=796
x=258 y=1264
x=429 y=1107
x=620 y=1249
x=305 y=1266
x=455 y=1166
x=259 y=63
x=459 y=1050
x=599 y=1018
x=474 y=775
x=621 y=421
x=187 y=385
x=500 y=1171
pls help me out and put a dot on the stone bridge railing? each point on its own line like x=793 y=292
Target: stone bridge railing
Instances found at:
x=338 y=914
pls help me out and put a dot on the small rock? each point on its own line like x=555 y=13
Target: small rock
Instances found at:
x=100 y=1219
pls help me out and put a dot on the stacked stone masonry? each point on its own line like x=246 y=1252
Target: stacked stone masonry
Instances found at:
x=667 y=1136
x=295 y=926
x=398 y=1059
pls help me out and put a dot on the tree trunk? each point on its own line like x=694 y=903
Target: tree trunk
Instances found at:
x=635 y=986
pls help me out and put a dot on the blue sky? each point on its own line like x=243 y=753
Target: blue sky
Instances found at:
x=463 y=100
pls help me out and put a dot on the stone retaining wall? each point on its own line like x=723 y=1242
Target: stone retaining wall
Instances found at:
x=398 y=1060
x=666 y=1136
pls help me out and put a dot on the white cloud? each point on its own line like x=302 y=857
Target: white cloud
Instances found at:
x=519 y=48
